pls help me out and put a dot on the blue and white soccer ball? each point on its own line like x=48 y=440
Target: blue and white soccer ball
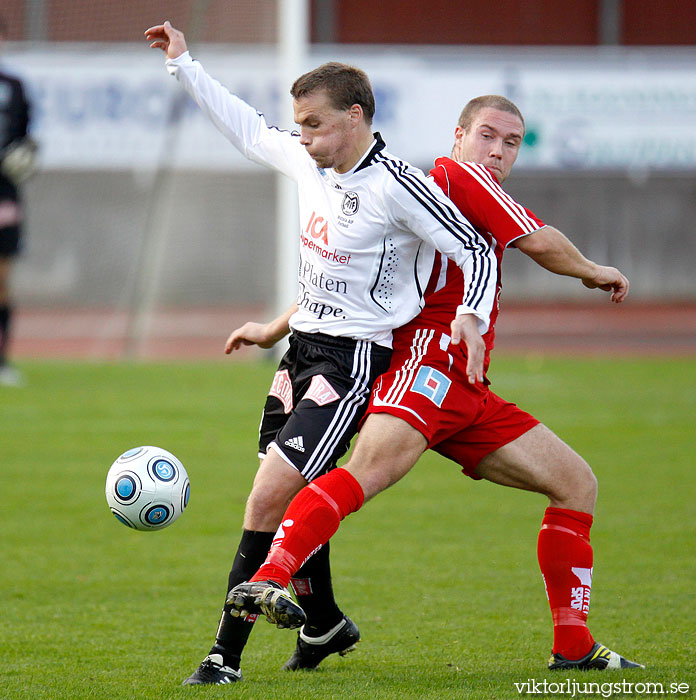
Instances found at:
x=147 y=488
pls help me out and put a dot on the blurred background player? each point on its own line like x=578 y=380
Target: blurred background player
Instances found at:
x=370 y=225
x=424 y=401
x=16 y=164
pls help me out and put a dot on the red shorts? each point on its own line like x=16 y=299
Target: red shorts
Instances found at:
x=426 y=385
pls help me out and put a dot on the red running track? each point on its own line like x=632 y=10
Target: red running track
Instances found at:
x=632 y=328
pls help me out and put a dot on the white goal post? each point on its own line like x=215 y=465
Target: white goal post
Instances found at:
x=293 y=42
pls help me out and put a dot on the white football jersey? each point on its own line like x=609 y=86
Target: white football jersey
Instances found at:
x=367 y=237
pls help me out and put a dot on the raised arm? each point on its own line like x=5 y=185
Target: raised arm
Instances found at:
x=239 y=122
x=549 y=248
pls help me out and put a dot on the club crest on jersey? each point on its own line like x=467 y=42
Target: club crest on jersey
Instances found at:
x=350 y=203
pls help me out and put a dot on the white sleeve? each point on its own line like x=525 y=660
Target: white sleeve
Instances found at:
x=419 y=205
x=240 y=123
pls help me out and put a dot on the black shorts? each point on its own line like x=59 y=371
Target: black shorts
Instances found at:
x=318 y=397
x=10 y=240
x=10 y=223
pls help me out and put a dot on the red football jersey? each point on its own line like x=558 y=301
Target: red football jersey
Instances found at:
x=495 y=214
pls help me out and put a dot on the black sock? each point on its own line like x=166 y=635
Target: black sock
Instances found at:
x=312 y=584
x=5 y=316
x=233 y=632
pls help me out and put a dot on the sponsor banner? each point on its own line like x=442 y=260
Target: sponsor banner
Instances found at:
x=586 y=109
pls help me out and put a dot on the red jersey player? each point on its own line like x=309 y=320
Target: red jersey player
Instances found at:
x=424 y=385
x=426 y=400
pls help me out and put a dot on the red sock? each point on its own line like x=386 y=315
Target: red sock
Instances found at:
x=565 y=559
x=311 y=519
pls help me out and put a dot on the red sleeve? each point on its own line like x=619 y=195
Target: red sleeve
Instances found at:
x=480 y=198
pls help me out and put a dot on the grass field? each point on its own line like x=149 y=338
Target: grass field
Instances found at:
x=440 y=572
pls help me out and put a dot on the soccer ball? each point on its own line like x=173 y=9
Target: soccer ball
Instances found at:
x=147 y=488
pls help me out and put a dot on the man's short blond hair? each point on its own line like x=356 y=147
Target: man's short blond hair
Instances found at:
x=345 y=85
x=473 y=107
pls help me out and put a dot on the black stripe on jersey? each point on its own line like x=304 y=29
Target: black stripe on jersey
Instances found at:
x=271 y=126
x=452 y=217
x=356 y=397
x=421 y=293
x=277 y=128
x=380 y=145
x=449 y=217
x=474 y=295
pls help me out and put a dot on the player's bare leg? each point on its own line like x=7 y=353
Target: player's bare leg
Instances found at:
x=540 y=461
x=275 y=485
x=386 y=450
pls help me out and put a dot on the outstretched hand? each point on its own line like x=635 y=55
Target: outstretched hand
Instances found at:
x=465 y=327
x=165 y=37
x=609 y=279
x=251 y=333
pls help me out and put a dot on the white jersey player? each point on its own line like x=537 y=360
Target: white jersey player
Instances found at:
x=369 y=226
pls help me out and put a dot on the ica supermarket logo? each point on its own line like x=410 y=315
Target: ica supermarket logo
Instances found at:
x=318 y=228
x=317 y=233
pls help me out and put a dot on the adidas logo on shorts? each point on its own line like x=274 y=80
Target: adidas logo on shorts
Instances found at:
x=297 y=443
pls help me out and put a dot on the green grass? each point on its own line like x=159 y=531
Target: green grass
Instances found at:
x=439 y=572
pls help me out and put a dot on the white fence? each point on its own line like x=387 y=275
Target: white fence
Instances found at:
x=590 y=109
